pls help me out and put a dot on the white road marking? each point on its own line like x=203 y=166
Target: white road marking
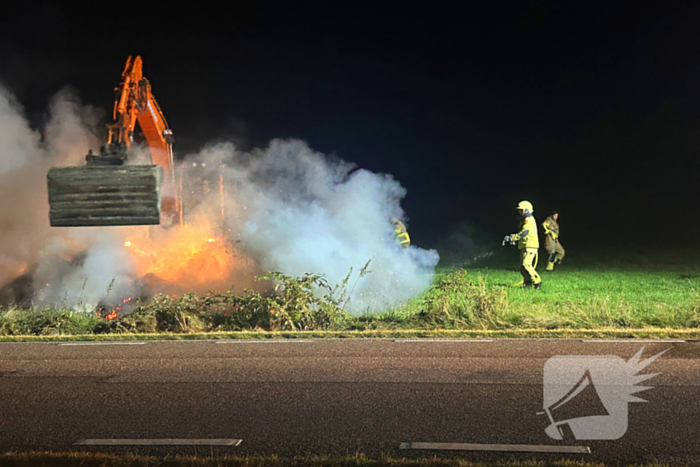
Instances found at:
x=104 y=343
x=158 y=442
x=497 y=447
x=266 y=341
x=443 y=340
x=633 y=341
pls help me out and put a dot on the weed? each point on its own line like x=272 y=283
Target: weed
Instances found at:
x=457 y=301
x=630 y=299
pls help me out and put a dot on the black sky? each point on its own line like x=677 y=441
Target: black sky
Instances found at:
x=590 y=108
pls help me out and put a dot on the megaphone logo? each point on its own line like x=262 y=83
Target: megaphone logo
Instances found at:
x=586 y=396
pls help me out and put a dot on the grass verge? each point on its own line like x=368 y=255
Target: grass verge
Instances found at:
x=575 y=303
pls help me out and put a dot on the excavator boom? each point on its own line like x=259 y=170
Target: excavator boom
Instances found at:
x=107 y=191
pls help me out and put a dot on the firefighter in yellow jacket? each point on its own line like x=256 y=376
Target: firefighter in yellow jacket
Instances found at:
x=401 y=233
x=528 y=244
x=554 y=249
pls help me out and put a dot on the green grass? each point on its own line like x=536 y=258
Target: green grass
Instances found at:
x=593 y=299
x=575 y=299
x=86 y=459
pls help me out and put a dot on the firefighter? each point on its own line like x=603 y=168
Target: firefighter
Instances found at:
x=554 y=249
x=528 y=244
x=400 y=231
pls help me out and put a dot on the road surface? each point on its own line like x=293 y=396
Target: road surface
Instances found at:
x=331 y=396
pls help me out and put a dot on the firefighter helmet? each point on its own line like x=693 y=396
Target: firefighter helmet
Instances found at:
x=526 y=207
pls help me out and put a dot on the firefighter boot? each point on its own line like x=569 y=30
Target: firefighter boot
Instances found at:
x=550 y=266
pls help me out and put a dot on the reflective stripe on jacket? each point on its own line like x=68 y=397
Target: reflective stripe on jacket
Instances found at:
x=527 y=236
x=401 y=234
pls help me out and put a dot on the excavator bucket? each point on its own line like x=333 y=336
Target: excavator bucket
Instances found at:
x=106 y=195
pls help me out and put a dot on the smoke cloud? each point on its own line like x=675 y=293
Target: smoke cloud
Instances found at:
x=28 y=245
x=283 y=208
x=19 y=144
x=296 y=211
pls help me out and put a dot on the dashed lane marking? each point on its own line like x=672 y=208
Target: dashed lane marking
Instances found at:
x=158 y=442
x=102 y=343
x=497 y=447
x=267 y=341
x=444 y=340
x=633 y=341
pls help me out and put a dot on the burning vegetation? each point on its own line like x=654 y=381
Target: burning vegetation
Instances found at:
x=193 y=255
x=282 y=208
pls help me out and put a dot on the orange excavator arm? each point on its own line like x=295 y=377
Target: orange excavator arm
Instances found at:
x=157 y=133
x=107 y=191
x=135 y=102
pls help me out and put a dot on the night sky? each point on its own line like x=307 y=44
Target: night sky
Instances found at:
x=589 y=108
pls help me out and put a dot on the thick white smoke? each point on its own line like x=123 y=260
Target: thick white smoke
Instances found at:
x=63 y=272
x=102 y=274
x=19 y=144
x=286 y=208
x=298 y=211
x=71 y=128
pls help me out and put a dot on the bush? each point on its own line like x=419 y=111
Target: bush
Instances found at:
x=47 y=322
x=293 y=306
x=457 y=301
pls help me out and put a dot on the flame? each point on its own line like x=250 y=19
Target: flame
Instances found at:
x=127 y=243
x=111 y=316
x=191 y=255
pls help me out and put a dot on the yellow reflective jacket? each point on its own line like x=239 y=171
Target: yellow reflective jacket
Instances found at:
x=551 y=228
x=401 y=234
x=527 y=236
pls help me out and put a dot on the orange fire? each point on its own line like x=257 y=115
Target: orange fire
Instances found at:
x=111 y=316
x=191 y=255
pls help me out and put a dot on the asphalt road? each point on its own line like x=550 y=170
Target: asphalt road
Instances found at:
x=331 y=396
